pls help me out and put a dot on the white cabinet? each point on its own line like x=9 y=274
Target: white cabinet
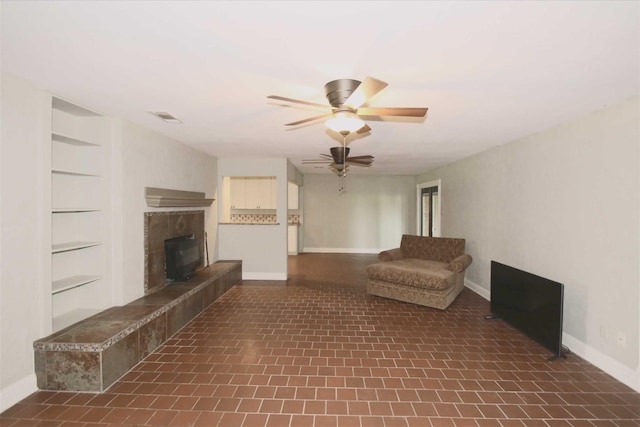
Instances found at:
x=237 y=190
x=79 y=209
x=292 y=239
x=252 y=192
x=258 y=193
x=292 y=196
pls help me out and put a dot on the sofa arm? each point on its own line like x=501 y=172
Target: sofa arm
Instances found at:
x=459 y=264
x=390 y=255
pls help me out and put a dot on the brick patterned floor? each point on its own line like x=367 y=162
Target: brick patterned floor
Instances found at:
x=316 y=350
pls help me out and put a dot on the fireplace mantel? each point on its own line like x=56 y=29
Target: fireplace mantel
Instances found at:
x=166 y=198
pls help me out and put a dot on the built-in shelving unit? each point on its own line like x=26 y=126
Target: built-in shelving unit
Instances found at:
x=80 y=195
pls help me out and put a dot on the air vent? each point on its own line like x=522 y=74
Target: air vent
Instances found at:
x=162 y=115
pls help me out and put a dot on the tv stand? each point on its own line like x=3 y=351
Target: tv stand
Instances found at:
x=562 y=355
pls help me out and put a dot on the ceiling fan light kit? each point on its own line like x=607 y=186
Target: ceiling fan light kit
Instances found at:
x=344 y=122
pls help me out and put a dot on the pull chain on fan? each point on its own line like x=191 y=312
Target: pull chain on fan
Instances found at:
x=343 y=175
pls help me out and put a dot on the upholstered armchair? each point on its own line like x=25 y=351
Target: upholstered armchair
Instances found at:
x=427 y=271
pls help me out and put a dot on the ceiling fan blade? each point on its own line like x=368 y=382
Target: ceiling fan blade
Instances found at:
x=367 y=157
x=364 y=92
x=319 y=162
x=360 y=162
x=364 y=129
x=299 y=101
x=386 y=111
x=310 y=119
x=327 y=156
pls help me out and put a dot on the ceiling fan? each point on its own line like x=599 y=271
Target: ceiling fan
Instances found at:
x=346 y=98
x=339 y=160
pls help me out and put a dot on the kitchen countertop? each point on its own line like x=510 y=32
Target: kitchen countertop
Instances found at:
x=258 y=223
x=249 y=223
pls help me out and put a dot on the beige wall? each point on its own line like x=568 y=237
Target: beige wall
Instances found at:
x=148 y=159
x=372 y=215
x=562 y=204
x=25 y=246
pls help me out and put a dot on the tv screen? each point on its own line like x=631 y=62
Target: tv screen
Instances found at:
x=182 y=257
x=530 y=303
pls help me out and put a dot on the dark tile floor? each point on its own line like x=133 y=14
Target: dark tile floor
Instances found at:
x=317 y=351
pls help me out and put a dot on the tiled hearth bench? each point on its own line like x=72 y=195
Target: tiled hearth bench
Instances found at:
x=92 y=354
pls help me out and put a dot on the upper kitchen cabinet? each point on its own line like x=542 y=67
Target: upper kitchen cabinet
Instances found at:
x=292 y=195
x=237 y=193
x=253 y=192
x=258 y=193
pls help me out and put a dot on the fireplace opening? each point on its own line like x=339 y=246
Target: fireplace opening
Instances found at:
x=182 y=257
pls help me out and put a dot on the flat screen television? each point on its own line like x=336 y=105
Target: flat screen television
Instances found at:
x=530 y=303
x=182 y=257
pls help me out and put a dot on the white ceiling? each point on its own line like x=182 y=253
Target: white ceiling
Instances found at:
x=490 y=72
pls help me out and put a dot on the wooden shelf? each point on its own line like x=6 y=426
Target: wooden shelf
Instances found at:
x=74 y=173
x=67 y=319
x=74 y=210
x=73 y=141
x=72 y=282
x=72 y=246
x=73 y=109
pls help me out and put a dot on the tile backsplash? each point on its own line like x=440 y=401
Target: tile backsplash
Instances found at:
x=293 y=219
x=256 y=218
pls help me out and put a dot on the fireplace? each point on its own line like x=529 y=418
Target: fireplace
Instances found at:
x=161 y=226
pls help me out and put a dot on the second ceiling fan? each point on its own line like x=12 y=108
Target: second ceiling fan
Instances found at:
x=339 y=160
x=346 y=98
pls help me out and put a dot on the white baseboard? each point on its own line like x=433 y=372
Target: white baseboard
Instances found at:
x=17 y=391
x=264 y=276
x=617 y=370
x=484 y=293
x=342 y=250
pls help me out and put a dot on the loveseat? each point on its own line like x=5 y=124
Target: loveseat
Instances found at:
x=427 y=271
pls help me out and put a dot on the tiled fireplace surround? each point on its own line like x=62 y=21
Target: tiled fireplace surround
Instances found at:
x=92 y=354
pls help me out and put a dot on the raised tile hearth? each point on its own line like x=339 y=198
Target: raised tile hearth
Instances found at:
x=92 y=354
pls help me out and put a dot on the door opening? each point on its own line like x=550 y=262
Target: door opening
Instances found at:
x=430 y=212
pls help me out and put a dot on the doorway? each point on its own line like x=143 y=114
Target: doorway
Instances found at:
x=429 y=210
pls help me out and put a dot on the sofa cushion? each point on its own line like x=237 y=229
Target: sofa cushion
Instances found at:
x=443 y=249
x=417 y=273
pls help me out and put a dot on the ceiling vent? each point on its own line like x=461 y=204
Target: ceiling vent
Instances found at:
x=162 y=115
